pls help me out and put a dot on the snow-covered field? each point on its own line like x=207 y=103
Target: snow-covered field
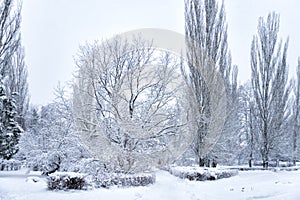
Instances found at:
x=247 y=185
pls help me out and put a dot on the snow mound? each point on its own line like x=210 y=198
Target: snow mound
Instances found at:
x=33 y=179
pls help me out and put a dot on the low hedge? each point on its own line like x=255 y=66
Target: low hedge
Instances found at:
x=79 y=181
x=66 y=181
x=123 y=180
x=201 y=174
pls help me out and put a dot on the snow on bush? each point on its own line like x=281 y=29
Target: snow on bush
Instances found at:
x=107 y=180
x=201 y=174
x=66 y=181
x=79 y=181
x=275 y=163
x=102 y=176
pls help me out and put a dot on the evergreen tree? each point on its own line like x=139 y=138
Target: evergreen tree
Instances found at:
x=9 y=129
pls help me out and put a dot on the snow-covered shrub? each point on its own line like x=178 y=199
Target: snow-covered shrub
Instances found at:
x=50 y=143
x=43 y=161
x=286 y=164
x=201 y=174
x=79 y=181
x=107 y=180
x=103 y=177
x=227 y=173
x=66 y=181
x=275 y=163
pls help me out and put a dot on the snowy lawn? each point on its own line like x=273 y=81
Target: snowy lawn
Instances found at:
x=246 y=185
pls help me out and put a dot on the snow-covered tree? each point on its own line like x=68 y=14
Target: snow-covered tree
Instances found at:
x=30 y=139
x=17 y=83
x=228 y=148
x=296 y=117
x=9 y=129
x=10 y=17
x=247 y=113
x=10 y=20
x=269 y=82
x=49 y=144
x=129 y=97
x=206 y=40
x=12 y=58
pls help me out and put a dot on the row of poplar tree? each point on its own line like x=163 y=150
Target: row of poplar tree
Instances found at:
x=262 y=115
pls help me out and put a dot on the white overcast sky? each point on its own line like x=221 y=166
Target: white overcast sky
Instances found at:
x=52 y=31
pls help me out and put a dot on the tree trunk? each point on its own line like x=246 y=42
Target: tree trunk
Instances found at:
x=265 y=155
x=207 y=162
x=265 y=163
x=214 y=163
x=201 y=162
x=54 y=169
x=294 y=146
x=277 y=163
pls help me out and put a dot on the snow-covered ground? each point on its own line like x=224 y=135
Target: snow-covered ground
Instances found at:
x=247 y=185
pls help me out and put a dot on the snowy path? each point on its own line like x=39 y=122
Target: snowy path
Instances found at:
x=247 y=185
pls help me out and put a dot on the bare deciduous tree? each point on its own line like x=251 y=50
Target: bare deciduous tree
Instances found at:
x=17 y=83
x=228 y=150
x=128 y=98
x=9 y=33
x=296 y=115
x=13 y=71
x=248 y=128
x=269 y=82
x=206 y=40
